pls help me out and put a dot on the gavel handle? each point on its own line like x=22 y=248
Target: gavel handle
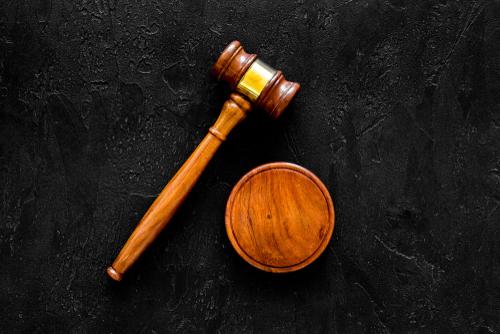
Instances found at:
x=172 y=196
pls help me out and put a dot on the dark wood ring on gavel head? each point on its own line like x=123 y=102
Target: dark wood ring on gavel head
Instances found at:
x=264 y=86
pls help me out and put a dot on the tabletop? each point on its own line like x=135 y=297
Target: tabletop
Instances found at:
x=398 y=115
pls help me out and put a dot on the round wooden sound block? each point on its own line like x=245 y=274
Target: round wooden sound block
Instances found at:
x=279 y=217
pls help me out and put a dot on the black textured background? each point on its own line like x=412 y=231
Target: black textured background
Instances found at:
x=101 y=101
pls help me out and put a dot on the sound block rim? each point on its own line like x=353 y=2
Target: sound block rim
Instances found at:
x=230 y=219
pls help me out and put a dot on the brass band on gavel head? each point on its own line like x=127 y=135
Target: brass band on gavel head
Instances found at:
x=264 y=86
x=255 y=79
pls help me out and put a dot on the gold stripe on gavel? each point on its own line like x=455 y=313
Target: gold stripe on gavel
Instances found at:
x=255 y=79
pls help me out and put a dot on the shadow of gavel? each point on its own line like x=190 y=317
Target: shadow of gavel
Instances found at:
x=255 y=83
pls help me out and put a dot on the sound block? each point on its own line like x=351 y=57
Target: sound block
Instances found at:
x=280 y=217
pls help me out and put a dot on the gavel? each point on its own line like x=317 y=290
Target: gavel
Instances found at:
x=255 y=83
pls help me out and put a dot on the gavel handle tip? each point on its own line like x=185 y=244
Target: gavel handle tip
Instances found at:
x=114 y=274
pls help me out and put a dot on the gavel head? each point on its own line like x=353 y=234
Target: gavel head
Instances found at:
x=264 y=86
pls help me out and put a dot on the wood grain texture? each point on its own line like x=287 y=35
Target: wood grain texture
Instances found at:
x=175 y=192
x=280 y=217
x=101 y=102
x=275 y=96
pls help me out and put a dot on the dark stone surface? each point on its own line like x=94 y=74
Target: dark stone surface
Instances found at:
x=102 y=101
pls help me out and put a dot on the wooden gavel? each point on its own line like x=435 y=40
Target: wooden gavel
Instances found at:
x=255 y=83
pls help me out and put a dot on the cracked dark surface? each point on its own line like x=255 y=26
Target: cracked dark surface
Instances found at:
x=399 y=115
